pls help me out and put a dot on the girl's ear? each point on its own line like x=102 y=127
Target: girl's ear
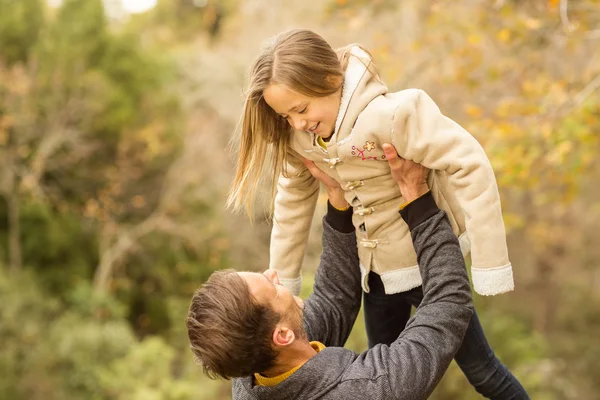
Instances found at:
x=334 y=80
x=283 y=336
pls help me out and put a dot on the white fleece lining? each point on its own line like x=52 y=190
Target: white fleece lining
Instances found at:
x=354 y=72
x=364 y=280
x=294 y=285
x=401 y=280
x=492 y=281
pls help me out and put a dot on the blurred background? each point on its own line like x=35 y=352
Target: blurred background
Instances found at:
x=114 y=122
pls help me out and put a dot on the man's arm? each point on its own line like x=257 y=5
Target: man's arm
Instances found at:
x=417 y=360
x=330 y=311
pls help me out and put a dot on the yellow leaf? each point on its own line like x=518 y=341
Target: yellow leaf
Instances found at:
x=547 y=130
x=533 y=24
x=513 y=221
x=557 y=156
x=528 y=86
x=474 y=39
x=587 y=158
x=503 y=111
x=473 y=111
x=553 y=3
x=382 y=53
x=504 y=35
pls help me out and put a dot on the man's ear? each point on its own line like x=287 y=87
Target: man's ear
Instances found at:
x=283 y=336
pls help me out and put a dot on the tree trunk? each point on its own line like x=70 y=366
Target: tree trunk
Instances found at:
x=11 y=193
x=14 y=231
x=121 y=246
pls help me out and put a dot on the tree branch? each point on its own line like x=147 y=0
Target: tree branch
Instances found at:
x=564 y=16
x=587 y=91
x=124 y=242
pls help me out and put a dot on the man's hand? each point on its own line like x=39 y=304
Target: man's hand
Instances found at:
x=334 y=190
x=410 y=176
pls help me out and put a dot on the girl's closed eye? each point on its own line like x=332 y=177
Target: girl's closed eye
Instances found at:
x=303 y=111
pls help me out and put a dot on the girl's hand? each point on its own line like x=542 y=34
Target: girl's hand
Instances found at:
x=410 y=176
x=272 y=275
x=334 y=190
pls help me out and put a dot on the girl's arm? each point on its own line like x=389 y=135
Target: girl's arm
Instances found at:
x=421 y=133
x=293 y=213
x=332 y=308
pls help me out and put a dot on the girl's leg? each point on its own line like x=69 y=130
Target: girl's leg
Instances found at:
x=478 y=362
x=385 y=315
x=482 y=368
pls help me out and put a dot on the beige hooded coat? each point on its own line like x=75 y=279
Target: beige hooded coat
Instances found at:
x=462 y=183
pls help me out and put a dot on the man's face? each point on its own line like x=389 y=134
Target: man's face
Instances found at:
x=266 y=289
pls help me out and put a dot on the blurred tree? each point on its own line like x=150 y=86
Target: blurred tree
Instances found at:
x=101 y=161
x=527 y=76
x=20 y=27
x=112 y=167
x=182 y=21
x=81 y=349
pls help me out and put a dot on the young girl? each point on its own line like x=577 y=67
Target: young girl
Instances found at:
x=307 y=102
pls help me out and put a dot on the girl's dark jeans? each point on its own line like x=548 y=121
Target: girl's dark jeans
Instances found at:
x=387 y=315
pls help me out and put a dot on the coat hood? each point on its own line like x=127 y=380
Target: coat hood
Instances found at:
x=360 y=88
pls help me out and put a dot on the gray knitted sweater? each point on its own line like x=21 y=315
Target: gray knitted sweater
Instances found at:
x=413 y=365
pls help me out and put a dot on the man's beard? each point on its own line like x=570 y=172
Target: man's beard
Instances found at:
x=298 y=324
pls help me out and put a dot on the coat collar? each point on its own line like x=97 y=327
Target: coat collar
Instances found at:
x=360 y=88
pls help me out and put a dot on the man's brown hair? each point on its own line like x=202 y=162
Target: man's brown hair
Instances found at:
x=229 y=331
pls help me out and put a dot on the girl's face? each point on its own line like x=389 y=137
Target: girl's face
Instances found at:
x=311 y=114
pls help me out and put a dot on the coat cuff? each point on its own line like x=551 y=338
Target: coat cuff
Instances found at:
x=419 y=210
x=492 y=281
x=294 y=285
x=339 y=220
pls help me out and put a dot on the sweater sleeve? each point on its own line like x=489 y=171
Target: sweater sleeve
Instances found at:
x=417 y=360
x=332 y=308
x=421 y=133
x=293 y=212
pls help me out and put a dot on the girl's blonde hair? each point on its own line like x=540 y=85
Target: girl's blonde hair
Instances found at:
x=303 y=61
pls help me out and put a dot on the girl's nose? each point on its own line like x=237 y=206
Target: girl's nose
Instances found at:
x=299 y=124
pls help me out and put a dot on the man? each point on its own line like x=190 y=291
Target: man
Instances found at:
x=247 y=326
